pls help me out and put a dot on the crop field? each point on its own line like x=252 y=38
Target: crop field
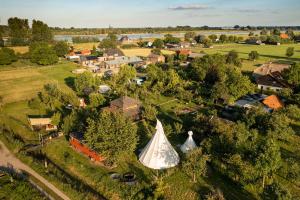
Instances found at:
x=142 y=52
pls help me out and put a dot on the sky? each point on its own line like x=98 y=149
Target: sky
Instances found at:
x=153 y=13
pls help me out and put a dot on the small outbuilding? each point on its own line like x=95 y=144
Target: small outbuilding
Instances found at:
x=38 y=124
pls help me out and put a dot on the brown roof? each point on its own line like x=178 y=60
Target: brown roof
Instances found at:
x=273 y=79
x=124 y=102
x=269 y=68
x=153 y=55
x=113 y=52
x=273 y=102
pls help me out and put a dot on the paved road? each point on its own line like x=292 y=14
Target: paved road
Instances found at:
x=7 y=158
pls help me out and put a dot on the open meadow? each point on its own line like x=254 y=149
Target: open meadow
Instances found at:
x=267 y=53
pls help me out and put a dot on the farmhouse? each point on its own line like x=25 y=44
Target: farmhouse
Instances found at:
x=125 y=40
x=128 y=106
x=118 y=62
x=42 y=124
x=254 y=41
x=184 y=45
x=154 y=58
x=88 y=60
x=272 y=81
x=269 y=68
x=112 y=53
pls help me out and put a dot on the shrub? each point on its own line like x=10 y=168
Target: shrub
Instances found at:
x=7 y=56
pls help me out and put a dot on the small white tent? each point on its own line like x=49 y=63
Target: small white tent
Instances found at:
x=159 y=153
x=189 y=143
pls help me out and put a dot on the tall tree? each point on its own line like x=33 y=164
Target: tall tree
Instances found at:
x=7 y=56
x=18 y=31
x=158 y=43
x=292 y=75
x=290 y=51
x=194 y=164
x=233 y=58
x=84 y=81
x=268 y=159
x=112 y=135
x=41 y=32
x=188 y=36
x=43 y=55
x=61 y=48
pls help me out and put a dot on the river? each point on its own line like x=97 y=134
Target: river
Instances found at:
x=151 y=35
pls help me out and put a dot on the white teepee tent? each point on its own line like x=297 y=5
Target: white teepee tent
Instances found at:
x=159 y=153
x=189 y=143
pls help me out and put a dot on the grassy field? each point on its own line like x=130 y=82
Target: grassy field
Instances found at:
x=267 y=53
x=24 y=81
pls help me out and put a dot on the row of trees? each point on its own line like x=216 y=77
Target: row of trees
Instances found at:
x=20 y=33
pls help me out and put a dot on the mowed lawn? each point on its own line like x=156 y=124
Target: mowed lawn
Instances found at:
x=23 y=82
x=268 y=53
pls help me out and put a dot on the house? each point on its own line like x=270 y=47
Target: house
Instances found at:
x=249 y=101
x=254 y=41
x=128 y=106
x=192 y=56
x=184 y=45
x=273 y=102
x=72 y=56
x=272 y=81
x=125 y=40
x=172 y=46
x=269 y=103
x=185 y=52
x=154 y=58
x=284 y=36
x=85 y=52
x=88 y=60
x=118 y=62
x=269 y=68
x=76 y=142
x=112 y=53
x=42 y=124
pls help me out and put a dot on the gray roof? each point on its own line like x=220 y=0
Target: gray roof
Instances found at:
x=196 y=55
x=124 y=60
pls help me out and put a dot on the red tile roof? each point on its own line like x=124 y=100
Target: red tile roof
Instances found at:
x=273 y=102
x=284 y=36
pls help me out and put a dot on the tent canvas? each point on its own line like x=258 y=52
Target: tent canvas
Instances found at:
x=159 y=153
x=189 y=143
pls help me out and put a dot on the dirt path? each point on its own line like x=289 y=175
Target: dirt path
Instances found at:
x=7 y=158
